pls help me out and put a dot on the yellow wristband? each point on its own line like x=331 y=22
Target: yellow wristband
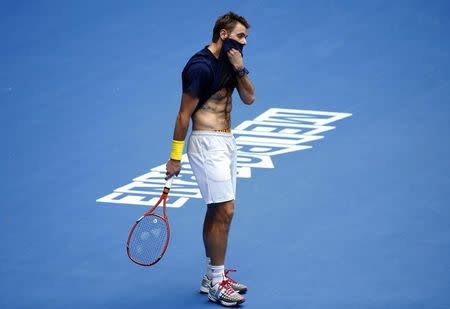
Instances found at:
x=177 y=150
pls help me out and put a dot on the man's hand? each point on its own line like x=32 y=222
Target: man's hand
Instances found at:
x=173 y=167
x=235 y=58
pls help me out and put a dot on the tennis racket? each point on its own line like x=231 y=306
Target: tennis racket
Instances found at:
x=149 y=236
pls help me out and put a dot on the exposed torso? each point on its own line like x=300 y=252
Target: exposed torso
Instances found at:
x=215 y=113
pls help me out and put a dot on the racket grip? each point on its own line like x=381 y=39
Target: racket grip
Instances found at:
x=169 y=182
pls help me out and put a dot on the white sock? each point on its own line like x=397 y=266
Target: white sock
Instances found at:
x=217 y=274
x=208 y=268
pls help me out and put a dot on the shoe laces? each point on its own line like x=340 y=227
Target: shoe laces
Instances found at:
x=229 y=278
x=226 y=285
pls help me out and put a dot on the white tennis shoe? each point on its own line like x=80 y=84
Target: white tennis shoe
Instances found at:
x=224 y=294
x=238 y=287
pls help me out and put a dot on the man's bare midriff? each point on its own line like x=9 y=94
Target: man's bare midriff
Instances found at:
x=215 y=112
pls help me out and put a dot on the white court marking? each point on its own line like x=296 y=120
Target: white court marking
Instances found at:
x=276 y=131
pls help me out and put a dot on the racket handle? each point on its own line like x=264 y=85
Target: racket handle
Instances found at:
x=169 y=182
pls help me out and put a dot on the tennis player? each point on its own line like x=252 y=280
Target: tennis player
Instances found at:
x=209 y=79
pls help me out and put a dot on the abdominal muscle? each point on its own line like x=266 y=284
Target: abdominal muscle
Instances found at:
x=215 y=113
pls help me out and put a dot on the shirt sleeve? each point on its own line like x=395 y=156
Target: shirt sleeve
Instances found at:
x=196 y=79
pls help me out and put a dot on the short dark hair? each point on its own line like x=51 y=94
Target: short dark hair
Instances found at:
x=228 y=22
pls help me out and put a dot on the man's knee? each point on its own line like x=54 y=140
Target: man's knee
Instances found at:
x=223 y=211
x=228 y=209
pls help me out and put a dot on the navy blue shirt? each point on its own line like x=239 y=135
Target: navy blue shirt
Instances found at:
x=204 y=74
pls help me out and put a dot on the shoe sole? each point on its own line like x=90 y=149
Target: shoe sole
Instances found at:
x=223 y=303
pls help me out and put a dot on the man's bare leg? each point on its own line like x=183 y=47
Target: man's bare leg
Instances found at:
x=215 y=230
x=215 y=234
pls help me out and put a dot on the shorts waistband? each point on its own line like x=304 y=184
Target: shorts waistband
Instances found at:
x=223 y=130
x=226 y=132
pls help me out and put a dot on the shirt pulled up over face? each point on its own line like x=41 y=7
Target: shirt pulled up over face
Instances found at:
x=204 y=74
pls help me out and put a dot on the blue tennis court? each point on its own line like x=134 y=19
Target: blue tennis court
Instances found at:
x=343 y=179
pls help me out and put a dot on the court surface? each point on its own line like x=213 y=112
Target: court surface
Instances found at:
x=89 y=93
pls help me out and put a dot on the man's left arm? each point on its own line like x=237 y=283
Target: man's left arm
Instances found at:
x=244 y=84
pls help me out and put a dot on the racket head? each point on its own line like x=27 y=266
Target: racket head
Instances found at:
x=148 y=239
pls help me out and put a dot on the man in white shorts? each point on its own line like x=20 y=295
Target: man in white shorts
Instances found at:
x=209 y=79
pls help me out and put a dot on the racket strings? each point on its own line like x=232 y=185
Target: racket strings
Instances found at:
x=148 y=240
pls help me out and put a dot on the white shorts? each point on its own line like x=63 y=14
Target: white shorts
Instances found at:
x=212 y=156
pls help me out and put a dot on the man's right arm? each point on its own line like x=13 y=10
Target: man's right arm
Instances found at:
x=187 y=107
